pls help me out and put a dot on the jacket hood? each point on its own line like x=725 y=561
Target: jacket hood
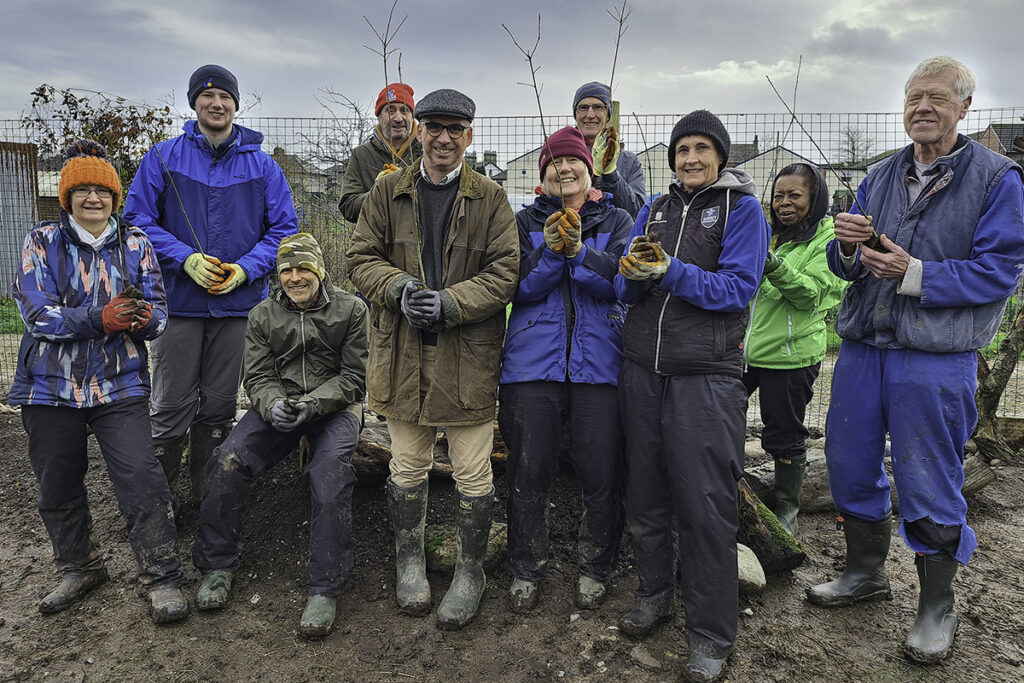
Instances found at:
x=733 y=179
x=246 y=136
x=805 y=229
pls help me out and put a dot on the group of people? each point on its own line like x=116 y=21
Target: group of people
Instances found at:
x=637 y=327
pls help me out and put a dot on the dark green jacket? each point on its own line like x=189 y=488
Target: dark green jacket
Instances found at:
x=366 y=162
x=317 y=356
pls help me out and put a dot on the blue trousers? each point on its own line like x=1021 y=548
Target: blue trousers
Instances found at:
x=925 y=401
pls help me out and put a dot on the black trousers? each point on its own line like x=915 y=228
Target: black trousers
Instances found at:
x=684 y=451
x=57 y=448
x=252 y=448
x=531 y=416
x=784 y=397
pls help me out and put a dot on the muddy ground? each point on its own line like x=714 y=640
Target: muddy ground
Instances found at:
x=782 y=638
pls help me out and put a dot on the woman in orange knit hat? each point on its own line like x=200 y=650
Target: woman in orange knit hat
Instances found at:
x=90 y=292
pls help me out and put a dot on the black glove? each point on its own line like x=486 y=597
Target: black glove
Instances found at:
x=413 y=316
x=426 y=303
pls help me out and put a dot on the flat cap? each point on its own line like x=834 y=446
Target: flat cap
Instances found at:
x=445 y=102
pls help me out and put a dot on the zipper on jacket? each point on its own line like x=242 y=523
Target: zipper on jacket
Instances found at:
x=750 y=326
x=789 y=333
x=302 y=333
x=668 y=295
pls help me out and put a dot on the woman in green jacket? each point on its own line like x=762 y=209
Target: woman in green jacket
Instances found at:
x=785 y=341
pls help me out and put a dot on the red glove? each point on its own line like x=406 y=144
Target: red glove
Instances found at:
x=117 y=314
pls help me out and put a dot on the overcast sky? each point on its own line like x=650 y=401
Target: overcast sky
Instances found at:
x=677 y=55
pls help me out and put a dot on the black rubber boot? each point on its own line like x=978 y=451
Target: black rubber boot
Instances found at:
x=73 y=587
x=408 y=507
x=473 y=527
x=789 y=482
x=931 y=636
x=168 y=454
x=865 y=580
x=202 y=439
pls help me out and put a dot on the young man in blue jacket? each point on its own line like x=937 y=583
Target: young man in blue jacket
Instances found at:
x=215 y=207
x=921 y=301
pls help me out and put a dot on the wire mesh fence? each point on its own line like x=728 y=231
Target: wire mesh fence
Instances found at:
x=313 y=153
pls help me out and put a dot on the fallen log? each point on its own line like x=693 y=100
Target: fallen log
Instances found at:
x=760 y=530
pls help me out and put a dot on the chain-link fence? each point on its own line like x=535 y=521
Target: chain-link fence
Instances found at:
x=313 y=153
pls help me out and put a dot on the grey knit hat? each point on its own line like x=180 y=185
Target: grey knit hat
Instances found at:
x=445 y=102
x=700 y=122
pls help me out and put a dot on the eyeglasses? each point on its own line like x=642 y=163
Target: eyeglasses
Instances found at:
x=455 y=130
x=101 y=192
x=584 y=108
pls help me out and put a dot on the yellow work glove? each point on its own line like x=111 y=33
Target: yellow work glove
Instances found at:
x=570 y=230
x=204 y=269
x=646 y=260
x=234 y=277
x=552 y=237
x=388 y=168
x=606 y=151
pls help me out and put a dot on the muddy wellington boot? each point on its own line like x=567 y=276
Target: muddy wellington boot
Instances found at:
x=318 y=617
x=167 y=604
x=931 y=636
x=202 y=439
x=789 y=482
x=473 y=527
x=168 y=454
x=865 y=580
x=73 y=587
x=523 y=595
x=408 y=508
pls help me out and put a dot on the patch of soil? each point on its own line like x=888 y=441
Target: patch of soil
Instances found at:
x=109 y=636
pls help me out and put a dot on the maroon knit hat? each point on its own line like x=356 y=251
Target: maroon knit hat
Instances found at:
x=567 y=142
x=395 y=92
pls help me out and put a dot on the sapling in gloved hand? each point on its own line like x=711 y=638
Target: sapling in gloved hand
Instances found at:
x=413 y=316
x=205 y=270
x=234 y=277
x=646 y=260
x=426 y=303
x=606 y=151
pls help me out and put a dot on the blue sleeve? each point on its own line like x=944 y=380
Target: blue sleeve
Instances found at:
x=626 y=184
x=279 y=219
x=992 y=270
x=141 y=210
x=150 y=280
x=740 y=264
x=540 y=269
x=628 y=291
x=835 y=259
x=593 y=269
x=40 y=300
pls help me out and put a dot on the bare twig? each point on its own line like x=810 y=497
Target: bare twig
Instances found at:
x=386 y=37
x=528 y=54
x=785 y=136
x=620 y=18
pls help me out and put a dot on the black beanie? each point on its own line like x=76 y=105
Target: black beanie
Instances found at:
x=211 y=76
x=700 y=122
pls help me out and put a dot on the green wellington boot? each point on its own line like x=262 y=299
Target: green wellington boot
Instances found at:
x=865 y=580
x=408 y=507
x=215 y=590
x=473 y=526
x=318 y=617
x=789 y=482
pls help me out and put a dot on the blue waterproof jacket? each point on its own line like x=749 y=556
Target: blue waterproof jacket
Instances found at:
x=238 y=203
x=566 y=324
x=66 y=359
x=967 y=228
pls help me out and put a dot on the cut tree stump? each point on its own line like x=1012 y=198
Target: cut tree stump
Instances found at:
x=760 y=530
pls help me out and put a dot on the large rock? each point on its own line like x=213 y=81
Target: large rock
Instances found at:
x=441 y=547
x=752 y=579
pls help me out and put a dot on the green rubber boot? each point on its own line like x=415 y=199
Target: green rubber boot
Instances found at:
x=215 y=590
x=473 y=527
x=931 y=637
x=789 y=482
x=867 y=546
x=408 y=507
x=318 y=617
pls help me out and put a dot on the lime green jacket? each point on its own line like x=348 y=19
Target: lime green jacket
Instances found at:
x=787 y=316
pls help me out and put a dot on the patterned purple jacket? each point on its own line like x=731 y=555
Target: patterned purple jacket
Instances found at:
x=65 y=358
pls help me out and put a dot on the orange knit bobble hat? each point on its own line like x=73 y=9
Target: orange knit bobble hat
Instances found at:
x=87 y=164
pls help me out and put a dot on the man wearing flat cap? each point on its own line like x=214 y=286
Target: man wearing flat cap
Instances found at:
x=305 y=363
x=616 y=170
x=215 y=207
x=393 y=146
x=436 y=253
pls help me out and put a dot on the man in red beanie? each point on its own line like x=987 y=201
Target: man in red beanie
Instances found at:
x=393 y=146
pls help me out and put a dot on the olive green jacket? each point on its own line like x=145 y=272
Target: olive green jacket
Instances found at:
x=367 y=160
x=480 y=273
x=317 y=355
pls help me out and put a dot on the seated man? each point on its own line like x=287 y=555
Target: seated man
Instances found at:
x=304 y=371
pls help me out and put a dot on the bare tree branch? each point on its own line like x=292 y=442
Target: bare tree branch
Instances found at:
x=620 y=18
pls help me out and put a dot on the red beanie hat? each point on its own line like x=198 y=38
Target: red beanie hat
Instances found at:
x=396 y=92
x=567 y=142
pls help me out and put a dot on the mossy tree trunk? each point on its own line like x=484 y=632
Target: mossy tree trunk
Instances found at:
x=992 y=380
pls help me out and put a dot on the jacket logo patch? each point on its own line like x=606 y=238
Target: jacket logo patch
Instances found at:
x=657 y=216
x=708 y=217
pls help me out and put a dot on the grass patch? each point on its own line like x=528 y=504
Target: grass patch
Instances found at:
x=10 y=318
